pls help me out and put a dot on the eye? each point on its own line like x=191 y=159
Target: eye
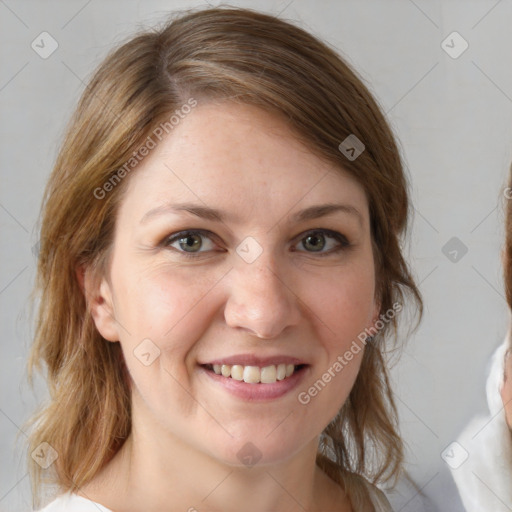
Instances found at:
x=189 y=242
x=317 y=240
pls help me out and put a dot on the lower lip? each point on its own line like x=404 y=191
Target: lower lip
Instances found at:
x=258 y=392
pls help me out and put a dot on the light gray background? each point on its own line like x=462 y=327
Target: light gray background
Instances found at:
x=452 y=116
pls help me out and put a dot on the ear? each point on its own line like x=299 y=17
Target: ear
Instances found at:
x=98 y=295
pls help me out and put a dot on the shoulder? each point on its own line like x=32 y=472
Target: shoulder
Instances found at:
x=70 y=502
x=484 y=450
x=496 y=373
x=365 y=496
x=378 y=498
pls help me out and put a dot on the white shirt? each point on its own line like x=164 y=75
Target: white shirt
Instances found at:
x=484 y=480
x=70 y=502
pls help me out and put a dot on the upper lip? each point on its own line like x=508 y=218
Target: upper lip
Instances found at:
x=253 y=360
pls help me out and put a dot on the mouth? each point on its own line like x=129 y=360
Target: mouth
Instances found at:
x=269 y=374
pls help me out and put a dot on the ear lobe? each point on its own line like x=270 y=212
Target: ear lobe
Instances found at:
x=98 y=295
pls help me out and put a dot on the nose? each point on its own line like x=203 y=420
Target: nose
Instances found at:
x=261 y=299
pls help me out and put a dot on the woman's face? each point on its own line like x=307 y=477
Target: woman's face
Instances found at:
x=257 y=289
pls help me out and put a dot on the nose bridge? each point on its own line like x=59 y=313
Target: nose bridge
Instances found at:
x=260 y=298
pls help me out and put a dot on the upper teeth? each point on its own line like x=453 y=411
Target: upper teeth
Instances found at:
x=255 y=374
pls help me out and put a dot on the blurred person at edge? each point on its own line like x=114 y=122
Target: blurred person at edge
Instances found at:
x=484 y=474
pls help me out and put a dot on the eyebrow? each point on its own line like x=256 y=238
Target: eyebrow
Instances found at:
x=213 y=214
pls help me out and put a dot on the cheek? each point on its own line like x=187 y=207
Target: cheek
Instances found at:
x=343 y=302
x=343 y=306
x=169 y=308
x=163 y=304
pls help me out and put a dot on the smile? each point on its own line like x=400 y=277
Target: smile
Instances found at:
x=253 y=383
x=254 y=374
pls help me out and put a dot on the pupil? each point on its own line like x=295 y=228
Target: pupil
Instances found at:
x=186 y=239
x=316 y=238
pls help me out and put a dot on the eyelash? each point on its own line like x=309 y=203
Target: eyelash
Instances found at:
x=344 y=243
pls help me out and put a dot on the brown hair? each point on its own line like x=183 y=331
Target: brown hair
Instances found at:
x=215 y=53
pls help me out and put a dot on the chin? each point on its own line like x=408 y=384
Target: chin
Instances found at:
x=258 y=450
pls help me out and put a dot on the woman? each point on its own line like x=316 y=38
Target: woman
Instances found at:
x=220 y=267
x=484 y=475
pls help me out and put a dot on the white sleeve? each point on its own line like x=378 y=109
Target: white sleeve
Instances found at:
x=484 y=479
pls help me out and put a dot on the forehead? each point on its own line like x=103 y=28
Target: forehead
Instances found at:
x=239 y=157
